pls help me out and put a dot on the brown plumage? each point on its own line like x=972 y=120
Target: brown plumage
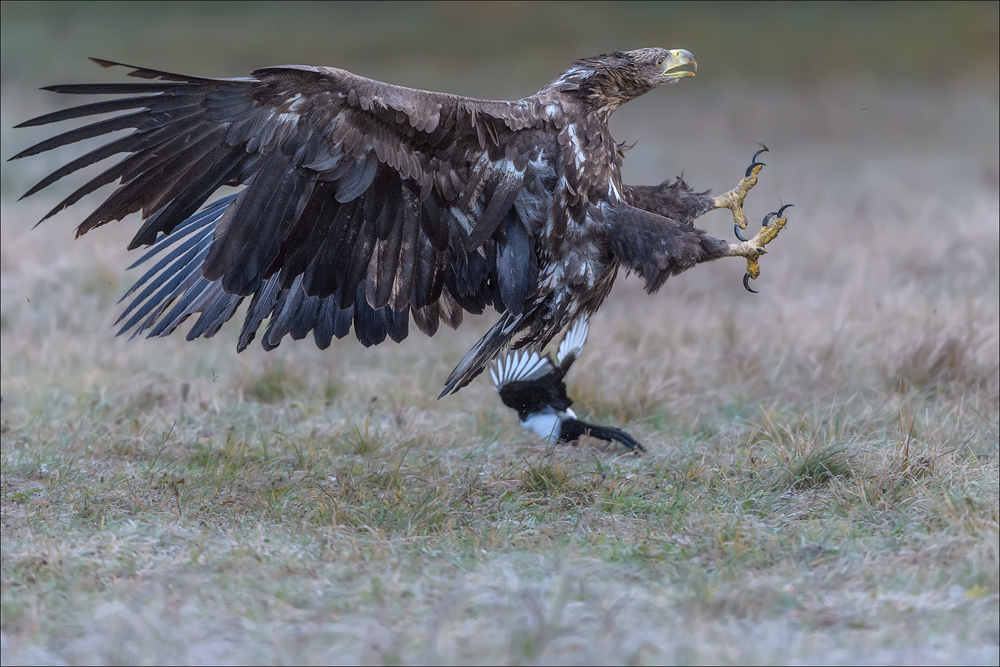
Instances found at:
x=366 y=203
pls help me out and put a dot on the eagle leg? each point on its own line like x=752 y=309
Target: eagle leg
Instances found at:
x=733 y=200
x=753 y=248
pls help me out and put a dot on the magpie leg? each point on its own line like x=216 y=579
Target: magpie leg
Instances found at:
x=752 y=249
x=572 y=429
x=733 y=200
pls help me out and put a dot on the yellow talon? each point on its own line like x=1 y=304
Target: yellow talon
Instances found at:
x=733 y=200
x=753 y=248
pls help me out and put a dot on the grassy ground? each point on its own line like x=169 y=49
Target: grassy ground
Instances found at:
x=821 y=483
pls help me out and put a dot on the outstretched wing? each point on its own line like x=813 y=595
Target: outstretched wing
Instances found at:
x=364 y=202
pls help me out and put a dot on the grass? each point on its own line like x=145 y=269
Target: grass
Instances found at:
x=172 y=501
x=155 y=540
x=821 y=481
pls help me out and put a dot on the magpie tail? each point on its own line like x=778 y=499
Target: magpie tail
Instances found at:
x=571 y=429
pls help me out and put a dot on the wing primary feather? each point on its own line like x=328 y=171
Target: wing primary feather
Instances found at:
x=369 y=324
x=124 y=122
x=305 y=317
x=174 y=269
x=211 y=320
x=380 y=245
x=194 y=195
x=214 y=303
x=260 y=307
x=427 y=319
x=484 y=350
x=161 y=297
x=397 y=324
x=92 y=109
x=193 y=241
x=185 y=304
x=116 y=88
x=281 y=318
x=124 y=145
x=521 y=366
x=342 y=321
x=146 y=190
x=323 y=331
x=254 y=234
x=182 y=274
x=188 y=286
x=207 y=216
x=525 y=361
x=112 y=173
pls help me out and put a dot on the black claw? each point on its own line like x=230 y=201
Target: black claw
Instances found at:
x=736 y=230
x=746 y=283
x=755 y=164
x=766 y=221
x=763 y=149
x=782 y=209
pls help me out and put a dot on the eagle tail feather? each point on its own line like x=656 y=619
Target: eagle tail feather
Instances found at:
x=484 y=351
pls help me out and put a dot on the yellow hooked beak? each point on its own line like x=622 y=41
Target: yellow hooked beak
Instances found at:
x=679 y=58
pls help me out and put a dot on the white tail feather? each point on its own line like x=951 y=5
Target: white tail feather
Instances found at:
x=574 y=340
x=519 y=367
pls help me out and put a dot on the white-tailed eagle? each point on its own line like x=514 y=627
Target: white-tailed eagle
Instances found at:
x=366 y=204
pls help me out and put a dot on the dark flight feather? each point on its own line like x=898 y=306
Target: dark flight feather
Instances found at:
x=513 y=265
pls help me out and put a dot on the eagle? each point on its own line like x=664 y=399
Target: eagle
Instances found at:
x=366 y=204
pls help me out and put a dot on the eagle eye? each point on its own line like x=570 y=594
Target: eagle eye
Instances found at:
x=659 y=62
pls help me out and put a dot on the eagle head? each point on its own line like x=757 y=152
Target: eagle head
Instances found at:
x=611 y=80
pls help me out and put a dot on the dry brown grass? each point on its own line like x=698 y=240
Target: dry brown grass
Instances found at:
x=821 y=481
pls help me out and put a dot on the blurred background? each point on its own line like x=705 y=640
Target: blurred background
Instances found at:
x=882 y=120
x=885 y=72
x=493 y=48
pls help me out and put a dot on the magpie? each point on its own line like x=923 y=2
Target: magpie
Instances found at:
x=535 y=387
